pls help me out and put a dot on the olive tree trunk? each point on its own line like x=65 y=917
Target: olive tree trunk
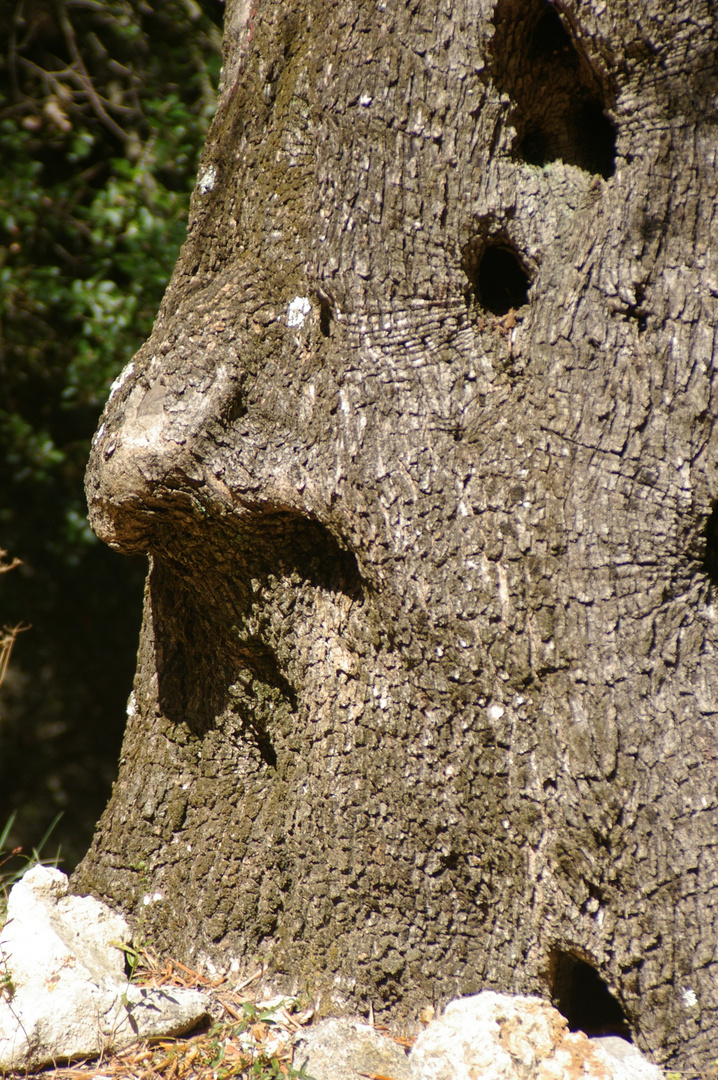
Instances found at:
x=423 y=451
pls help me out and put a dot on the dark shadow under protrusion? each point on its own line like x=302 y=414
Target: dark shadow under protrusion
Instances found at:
x=209 y=655
x=582 y=996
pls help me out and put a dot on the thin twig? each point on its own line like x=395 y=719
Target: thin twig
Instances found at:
x=7 y=640
x=8 y=634
x=4 y=567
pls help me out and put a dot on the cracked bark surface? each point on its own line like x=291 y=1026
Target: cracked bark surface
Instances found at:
x=427 y=687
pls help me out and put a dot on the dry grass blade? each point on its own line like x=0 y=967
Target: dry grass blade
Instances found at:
x=149 y=970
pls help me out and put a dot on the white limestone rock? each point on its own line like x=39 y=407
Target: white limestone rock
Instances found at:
x=627 y=1061
x=505 y=1037
x=63 y=989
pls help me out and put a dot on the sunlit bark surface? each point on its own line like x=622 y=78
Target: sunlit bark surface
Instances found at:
x=423 y=449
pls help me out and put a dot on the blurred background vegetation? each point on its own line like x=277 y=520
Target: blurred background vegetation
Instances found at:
x=103 y=111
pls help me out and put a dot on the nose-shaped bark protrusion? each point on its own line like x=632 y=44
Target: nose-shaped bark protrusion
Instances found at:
x=146 y=453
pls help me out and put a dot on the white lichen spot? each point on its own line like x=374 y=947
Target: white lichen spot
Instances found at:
x=132 y=705
x=496 y=712
x=689 y=998
x=207 y=180
x=365 y=100
x=121 y=380
x=298 y=310
x=154 y=898
x=503 y=590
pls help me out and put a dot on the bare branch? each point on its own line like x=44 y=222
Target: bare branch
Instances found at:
x=92 y=95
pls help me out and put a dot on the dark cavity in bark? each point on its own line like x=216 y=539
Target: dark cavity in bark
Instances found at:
x=325 y=318
x=581 y=995
x=558 y=103
x=499 y=280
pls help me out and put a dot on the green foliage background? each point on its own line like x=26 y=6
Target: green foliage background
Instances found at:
x=103 y=111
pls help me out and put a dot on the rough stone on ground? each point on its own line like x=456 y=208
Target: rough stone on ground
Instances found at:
x=344 y=1049
x=505 y=1037
x=64 y=990
x=629 y=1062
x=487 y=1037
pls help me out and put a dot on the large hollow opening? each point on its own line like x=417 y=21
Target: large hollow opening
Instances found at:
x=558 y=101
x=500 y=280
x=582 y=996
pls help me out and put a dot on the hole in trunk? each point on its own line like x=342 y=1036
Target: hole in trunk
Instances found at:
x=597 y=137
x=501 y=282
x=559 y=103
x=581 y=995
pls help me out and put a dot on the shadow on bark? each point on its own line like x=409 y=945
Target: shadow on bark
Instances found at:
x=710 y=557
x=213 y=652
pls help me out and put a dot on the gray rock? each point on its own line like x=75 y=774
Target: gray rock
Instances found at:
x=64 y=990
x=346 y=1049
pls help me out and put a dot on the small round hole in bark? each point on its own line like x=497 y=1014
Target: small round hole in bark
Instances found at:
x=581 y=995
x=501 y=281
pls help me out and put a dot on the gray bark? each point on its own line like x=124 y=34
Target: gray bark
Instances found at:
x=423 y=450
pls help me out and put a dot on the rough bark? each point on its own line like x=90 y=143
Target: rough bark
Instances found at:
x=423 y=450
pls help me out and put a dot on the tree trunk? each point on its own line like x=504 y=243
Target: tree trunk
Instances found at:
x=422 y=448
